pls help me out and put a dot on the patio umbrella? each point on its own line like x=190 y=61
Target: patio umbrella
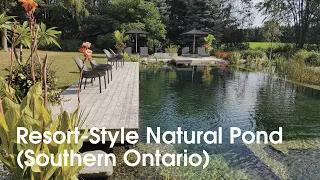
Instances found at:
x=194 y=32
x=136 y=32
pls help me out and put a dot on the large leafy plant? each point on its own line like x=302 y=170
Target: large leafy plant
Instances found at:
x=120 y=37
x=5 y=24
x=209 y=40
x=32 y=114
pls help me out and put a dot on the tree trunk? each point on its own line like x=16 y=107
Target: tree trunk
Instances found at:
x=4 y=42
x=270 y=56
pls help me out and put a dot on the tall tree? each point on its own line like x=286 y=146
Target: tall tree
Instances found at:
x=302 y=13
x=203 y=14
x=272 y=32
x=235 y=14
x=177 y=19
x=164 y=9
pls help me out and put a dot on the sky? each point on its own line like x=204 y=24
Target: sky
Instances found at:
x=258 y=21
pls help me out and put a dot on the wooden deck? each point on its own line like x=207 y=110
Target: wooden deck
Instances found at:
x=116 y=107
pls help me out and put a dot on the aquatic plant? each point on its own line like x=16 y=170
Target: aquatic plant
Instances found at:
x=235 y=58
x=277 y=167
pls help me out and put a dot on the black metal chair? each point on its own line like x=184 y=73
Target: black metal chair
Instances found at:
x=113 y=59
x=121 y=57
x=89 y=73
x=102 y=67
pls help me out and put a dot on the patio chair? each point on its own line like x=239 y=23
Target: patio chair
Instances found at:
x=128 y=50
x=117 y=56
x=185 y=52
x=102 y=67
x=89 y=73
x=158 y=50
x=202 y=52
x=144 y=52
x=111 y=58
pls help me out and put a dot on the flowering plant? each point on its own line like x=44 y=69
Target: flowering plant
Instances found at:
x=121 y=45
x=209 y=40
x=85 y=50
x=29 y=5
x=223 y=55
x=207 y=47
x=33 y=114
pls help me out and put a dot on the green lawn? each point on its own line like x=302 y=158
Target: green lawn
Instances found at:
x=263 y=45
x=61 y=62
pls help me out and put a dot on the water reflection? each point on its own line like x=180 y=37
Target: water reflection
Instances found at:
x=203 y=99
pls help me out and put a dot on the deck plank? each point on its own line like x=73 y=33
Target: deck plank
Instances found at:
x=117 y=106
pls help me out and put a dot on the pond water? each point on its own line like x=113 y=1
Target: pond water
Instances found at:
x=203 y=100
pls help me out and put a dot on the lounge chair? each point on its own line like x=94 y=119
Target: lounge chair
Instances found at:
x=144 y=52
x=103 y=67
x=128 y=50
x=89 y=73
x=119 y=56
x=158 y=50
x=185 y=52
x=202 y=52
x=112 y=58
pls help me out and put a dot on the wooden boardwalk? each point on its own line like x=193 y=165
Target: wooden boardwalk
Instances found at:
x=116 y=107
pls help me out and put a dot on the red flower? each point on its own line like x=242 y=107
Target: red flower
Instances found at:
x=206 y=46
x=223 y=55
x=123 y=45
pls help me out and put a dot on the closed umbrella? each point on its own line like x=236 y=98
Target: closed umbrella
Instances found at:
x=136 y=32
x=194 y=32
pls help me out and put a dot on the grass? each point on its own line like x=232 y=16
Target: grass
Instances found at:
x=60 y=62
x=317 y=87
x=263 y=45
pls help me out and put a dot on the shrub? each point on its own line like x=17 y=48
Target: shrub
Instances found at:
x=250 y=54
x=22 y=81
x=236 y=47
x=223 y=55
x=286 y=51
x=310 y=58
x=266 y=62
x=32 y=115
x=249 y=60
x=131 y=58
x=68 y=45
x=301 y=55
x=313 y=59
x=104 y=41
x=235 y=57
x=299 y=71
x=172 y=49
x=281 y=65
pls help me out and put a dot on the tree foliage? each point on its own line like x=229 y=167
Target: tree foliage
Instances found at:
x=302 y=13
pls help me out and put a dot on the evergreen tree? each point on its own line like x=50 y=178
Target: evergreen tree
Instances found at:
x=204 y=15
x=177 y=19
x=164 y=9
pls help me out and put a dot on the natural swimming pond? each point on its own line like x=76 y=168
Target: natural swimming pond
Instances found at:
x=200 y=99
